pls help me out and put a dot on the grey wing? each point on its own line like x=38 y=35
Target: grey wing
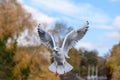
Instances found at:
x=46 y=38
x=73 y=37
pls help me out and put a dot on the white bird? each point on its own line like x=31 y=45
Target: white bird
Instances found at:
x=60 y=65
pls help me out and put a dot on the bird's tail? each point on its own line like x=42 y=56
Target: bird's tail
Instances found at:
x=60 y=69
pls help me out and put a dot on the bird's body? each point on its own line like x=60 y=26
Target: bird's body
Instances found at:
x=60 y=65
x=59 y=58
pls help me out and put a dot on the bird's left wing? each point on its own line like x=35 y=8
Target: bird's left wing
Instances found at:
x=73 y=37
x=46 y=38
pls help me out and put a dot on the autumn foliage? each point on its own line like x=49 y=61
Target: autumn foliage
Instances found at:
x=31 y=62
x=114 y=63
x=20 y=63
x=13 y=18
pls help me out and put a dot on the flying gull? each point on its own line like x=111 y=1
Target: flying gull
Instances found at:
x=60 y=65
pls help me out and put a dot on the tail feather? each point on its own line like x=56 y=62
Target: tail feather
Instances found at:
x=60 y=69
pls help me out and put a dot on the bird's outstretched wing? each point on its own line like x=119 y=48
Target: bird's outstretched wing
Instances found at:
x=72 y=37
x=46 y=38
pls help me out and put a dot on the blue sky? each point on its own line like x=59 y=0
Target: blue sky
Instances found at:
x=103 y=16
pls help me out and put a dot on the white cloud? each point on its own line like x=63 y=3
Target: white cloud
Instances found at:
x=32 y=39
x=114 y=0
x=70 y=11
x=61 y=6
x=40 y=17
x=85 y=45
x=116 y=23
x=114 y=36
x=37 y=15
x=28 y=38
x=20 y=1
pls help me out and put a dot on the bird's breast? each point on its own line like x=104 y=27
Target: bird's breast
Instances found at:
x=59 y=63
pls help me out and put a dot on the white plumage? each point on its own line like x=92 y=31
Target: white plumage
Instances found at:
x=60 y=65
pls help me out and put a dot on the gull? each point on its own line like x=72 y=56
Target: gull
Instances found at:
x=60 y=65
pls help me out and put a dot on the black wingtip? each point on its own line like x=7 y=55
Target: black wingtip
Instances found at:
x=40 y=30
x=87 y=22
x=39 y=25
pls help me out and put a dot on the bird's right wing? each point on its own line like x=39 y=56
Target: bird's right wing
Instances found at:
x=73 y=37
x=46 y=38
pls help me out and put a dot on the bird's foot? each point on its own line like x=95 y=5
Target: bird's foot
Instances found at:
x=65 y=73
x=56 y=71
x=56 y=74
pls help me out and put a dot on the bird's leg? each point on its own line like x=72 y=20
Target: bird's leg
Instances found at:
x=56 y=71
x=64 y=70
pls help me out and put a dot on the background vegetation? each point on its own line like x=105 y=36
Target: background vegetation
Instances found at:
x=31 y=62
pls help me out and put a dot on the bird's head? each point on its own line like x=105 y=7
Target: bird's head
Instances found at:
x=56 y=50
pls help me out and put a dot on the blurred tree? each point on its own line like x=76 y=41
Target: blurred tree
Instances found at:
x=101 y=66
x=13 y=20
x=89 y=59
x=74 y=59
x=113 y=62
x=32 y=64
x=6 y=59
x=59 y=31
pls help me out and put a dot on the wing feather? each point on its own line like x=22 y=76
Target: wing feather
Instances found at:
x=46 y=38
x=73 y=37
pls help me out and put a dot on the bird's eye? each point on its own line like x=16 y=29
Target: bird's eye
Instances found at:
x=56 y=51
x=53 y=49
